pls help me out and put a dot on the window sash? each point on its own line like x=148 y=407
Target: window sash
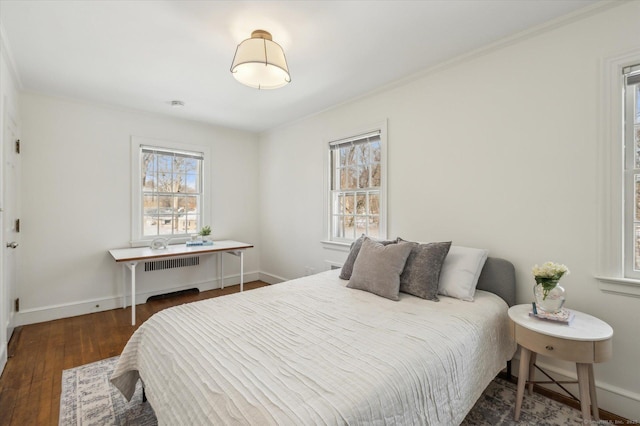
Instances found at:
x=631 y=136
x=172 y=209
x=355 y=179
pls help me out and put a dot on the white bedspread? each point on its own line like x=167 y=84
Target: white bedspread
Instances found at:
x=311 y=351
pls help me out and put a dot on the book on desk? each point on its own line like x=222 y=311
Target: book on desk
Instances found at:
x=199 y=243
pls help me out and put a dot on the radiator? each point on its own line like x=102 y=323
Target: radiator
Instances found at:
x=158 y=265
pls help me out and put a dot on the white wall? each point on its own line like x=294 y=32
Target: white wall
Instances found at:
x=77 y=204
x=500 y=151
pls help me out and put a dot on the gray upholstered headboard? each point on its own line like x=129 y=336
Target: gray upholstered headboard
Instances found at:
x=499 y=276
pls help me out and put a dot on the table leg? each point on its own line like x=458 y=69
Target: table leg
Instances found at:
x=532 y=371
x=523 y=370
x=124 y=286
x=583 y=387
x=241 y=271
x=221 y=271
x=592 y=394
x=132 y=268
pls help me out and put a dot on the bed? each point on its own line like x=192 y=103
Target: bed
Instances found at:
x=312 y=351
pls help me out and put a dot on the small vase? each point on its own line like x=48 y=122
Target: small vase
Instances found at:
x=549 y=296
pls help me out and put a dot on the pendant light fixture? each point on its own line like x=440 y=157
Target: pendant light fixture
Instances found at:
x=259 y=62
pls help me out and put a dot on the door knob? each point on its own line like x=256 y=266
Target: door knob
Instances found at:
x=12 y=244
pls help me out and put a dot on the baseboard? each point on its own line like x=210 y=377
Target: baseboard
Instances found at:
x=83 y=307
x=4 y=348
x=3 y=356
x=271 y=278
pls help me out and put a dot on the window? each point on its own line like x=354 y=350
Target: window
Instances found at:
x=356 y=187
x=617 y=250
x=168 y=192
x=631 y=134
x=171 y=191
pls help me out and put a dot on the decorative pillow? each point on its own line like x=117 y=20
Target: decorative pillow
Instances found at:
x=347 y=267
x=460 y=272
x=422 y=270
x=378 y=267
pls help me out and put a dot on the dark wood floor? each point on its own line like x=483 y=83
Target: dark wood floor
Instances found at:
x=31 y=382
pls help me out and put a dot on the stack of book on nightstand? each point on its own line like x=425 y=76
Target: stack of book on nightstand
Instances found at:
x=564 y=315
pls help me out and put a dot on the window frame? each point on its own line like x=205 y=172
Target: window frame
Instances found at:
x=610 y=251
x=631 y=171
x=354 y=134
x=137 y=210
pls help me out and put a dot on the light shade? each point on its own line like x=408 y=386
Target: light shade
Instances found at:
x=259 y=62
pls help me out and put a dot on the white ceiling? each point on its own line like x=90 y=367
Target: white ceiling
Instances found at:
x=144 y=54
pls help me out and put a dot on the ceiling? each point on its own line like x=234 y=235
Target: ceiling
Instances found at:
x=144 y=54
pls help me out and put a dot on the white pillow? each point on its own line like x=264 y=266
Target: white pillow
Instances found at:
x=460 y=272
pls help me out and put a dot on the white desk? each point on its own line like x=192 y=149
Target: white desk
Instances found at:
x=130 y=257
x=585 y=341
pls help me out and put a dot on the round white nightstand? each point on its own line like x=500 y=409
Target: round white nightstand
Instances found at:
x=585 y=341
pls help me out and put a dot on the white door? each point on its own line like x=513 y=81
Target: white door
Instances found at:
x=9 y=173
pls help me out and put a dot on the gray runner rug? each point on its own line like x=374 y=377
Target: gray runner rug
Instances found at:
x=88 y=398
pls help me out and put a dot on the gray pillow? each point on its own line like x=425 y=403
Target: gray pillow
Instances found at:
x=378 y=267
x=347 y=267
x=422 y=271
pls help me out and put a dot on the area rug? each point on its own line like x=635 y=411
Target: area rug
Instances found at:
x=88 y=398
